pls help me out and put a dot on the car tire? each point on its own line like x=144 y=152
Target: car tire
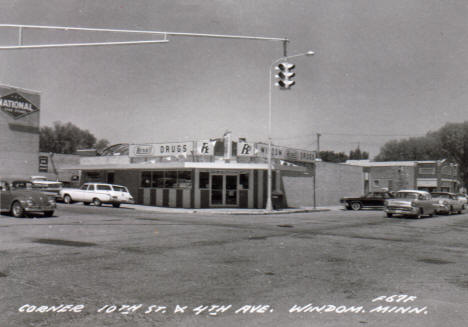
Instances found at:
x=67 y=199
x=356 y=206
x=97 y=202
x=116 y=205
x=48 y=213
x=17 y=210
x=419 y=214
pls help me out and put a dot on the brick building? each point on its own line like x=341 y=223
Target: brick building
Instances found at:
x=430 y=175
x=19 y=131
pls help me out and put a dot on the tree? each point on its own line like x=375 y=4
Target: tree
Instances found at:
x=331 y=156
x=101 y=145
x=66 y=138
x=449 y=142
x=358 y=155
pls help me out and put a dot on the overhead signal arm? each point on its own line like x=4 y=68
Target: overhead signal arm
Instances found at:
x=22 y=28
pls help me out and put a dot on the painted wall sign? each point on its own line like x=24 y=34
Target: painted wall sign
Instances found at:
x=283 y=153
x=245 y=149
x=160 y=149
x=43 y=164
x=16 y=105
x=205 y=148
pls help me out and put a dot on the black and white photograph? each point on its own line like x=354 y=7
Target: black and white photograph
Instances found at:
x=197 y=163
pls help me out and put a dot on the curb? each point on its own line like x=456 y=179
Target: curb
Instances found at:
x=223 y=211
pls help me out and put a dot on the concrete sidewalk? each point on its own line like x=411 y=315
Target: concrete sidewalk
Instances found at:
x=229 y=211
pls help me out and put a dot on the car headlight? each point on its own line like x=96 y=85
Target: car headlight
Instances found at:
x=413 y=203
x=29 y=202
x=52 y=201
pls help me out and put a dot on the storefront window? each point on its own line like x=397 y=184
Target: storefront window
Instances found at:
x=244 y=181
x=158 y=179
x=171 y=179
x=146 y=179
x=184 y=179
x=167 y=179
x=204 y=180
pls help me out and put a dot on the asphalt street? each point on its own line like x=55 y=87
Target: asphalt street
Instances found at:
x=103 y=266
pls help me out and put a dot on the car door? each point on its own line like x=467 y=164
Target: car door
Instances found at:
x=4 y=196
x=90 y=193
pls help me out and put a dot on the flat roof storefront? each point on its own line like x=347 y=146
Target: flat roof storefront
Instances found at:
x=217 y=173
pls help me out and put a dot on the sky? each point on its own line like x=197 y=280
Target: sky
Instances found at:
x=382 y=70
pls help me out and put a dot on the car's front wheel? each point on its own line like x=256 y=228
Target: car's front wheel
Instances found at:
x=67 y=199
x=97 y=202
x=48 y=213
x=356 y=206
x=17 y=210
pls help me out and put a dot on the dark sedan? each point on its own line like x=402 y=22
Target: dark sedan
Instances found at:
x=19 y=198
x=370 y=200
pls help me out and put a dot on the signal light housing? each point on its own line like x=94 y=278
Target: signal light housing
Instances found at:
x=285 y=75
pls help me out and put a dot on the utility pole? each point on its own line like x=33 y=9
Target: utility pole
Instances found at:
x=318 y=145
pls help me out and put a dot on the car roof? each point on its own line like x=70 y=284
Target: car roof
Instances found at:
x=413 y=191
x=11 y=180
x=97 y=183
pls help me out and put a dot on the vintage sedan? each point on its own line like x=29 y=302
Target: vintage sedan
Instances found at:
x=370 y=200
x=447 y=203
x=18 y=198
x=412 y=203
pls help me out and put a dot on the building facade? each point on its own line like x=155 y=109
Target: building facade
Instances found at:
x=430 y=175
x=218 y=173
x=19 y=131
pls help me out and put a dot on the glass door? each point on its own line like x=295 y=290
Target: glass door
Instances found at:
x=217 y=189
x=231 y=190
x=224 y=190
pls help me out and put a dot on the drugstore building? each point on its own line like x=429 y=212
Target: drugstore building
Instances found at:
x=215 y=173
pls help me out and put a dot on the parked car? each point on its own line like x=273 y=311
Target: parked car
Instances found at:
x=47 y=186
x=18 y=197
x=370 y=200
x=413 y=203
x=463 y=199
x=447 y=203
x=97 y=193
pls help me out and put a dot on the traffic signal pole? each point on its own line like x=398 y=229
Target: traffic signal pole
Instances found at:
x=269 y=206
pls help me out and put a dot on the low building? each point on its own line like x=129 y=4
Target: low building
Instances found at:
x=220 y=173
x=429 y=175
x=51 y=166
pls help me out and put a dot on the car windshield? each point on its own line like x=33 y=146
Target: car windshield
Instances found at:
x=443 y=196
x=22 y=185
x=407 y=195
x=119 y=188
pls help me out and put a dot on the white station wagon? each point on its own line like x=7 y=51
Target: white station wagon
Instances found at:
x=97 y=194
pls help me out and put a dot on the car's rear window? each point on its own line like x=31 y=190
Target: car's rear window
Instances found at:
x=119 y=188
x=103 y=188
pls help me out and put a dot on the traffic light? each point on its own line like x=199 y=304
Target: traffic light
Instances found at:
x=285 y=75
